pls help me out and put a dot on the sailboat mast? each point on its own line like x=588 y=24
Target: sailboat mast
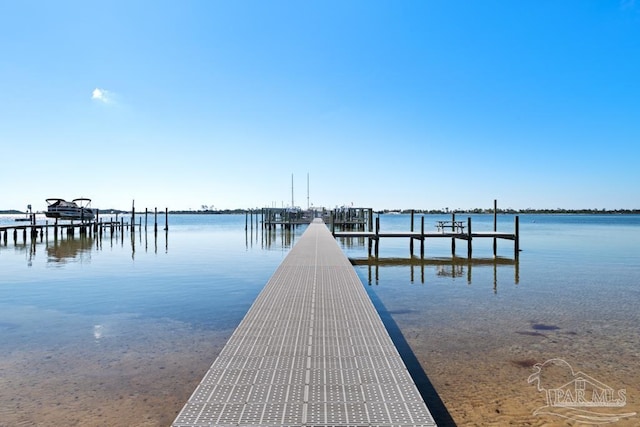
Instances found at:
x=307 y=190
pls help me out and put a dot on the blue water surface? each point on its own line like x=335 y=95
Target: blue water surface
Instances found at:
x=572 y=292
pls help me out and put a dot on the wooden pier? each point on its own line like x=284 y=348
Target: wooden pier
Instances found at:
x=41 y=231
x=345 y=218
x=34 y=230
x=454 y=230
x=311 y=351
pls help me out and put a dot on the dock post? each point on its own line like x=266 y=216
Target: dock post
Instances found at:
x=516 y=241
x=246 y=220
x=453 y=239
x=146 y=213
x=412 y=212
x=495 y=226
x=370 y=219
x=333 y=222
x=155 y=221
x=166 y=219
x=469 y=245
x=422 y=242
x=133 y=216
x=411 y=237
x=377 y=242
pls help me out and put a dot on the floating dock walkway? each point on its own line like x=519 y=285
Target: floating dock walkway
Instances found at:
x=311 y=351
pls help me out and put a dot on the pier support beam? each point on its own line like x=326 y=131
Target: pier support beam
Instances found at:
x=166 y=219
x=516 y=241
x=469 y=245
x=133 y=216
x=411 y=238
x=422 y=239
x=453 y=239
x=495 y=227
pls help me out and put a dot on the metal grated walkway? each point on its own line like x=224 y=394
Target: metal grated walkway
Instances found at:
x=311 y=351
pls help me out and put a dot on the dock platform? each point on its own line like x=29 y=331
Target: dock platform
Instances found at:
x=445 y=229
x=311 y=351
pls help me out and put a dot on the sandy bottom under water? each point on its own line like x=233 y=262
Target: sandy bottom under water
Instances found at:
x=131 y=371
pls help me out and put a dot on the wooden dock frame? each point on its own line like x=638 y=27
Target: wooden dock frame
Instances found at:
x=95 y=227
x=457 y=232
x=346 y=218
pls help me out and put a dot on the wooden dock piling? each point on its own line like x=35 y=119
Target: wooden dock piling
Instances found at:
x=166 y=219
x=495 y=227
x=516 y=245
x=133 y=216
x=469 y=243
x=422 y=239
x=453 y=239
x=411 y=238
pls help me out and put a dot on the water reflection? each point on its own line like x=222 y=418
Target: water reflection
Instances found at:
x=62 y=247
x=62 y=250
x=444 y=267
x=270 y=239
x=97 y=332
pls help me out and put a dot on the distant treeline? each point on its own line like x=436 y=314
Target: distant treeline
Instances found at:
x=212 y=212
x=388 y=211
x=449 y=211
x=121 y=212
x=518 y=211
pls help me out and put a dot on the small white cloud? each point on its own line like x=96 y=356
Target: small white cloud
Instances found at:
x=102 y=95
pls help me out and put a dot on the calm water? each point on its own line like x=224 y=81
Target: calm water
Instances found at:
x=119 y=330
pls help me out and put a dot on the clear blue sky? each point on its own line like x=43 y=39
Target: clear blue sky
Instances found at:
x=385 y=104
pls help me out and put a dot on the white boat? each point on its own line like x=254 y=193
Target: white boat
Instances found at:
x=75 y=209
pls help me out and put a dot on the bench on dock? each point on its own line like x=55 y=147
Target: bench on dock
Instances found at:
x=455 y=226
x=311 y=351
